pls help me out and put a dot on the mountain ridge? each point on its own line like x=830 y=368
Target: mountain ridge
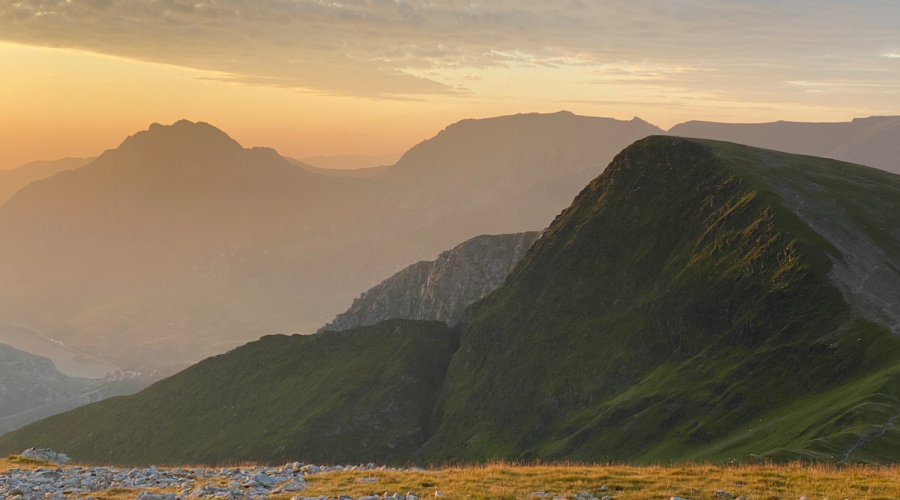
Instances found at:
x=868 y=141
x=182 y=244
x=685 y=306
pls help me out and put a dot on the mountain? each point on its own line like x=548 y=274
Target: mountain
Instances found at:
x=698 y=300
x=171 y=246
x=17 y=178
x=874 y=141
x=504 y=174
x=364 y=395
x=441 y=289
x=181 y=244
x=28 y=381
x=31 y=388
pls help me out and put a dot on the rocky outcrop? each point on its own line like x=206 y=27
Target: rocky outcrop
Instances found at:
x=440 y=289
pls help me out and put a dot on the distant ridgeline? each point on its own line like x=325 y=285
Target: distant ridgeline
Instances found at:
x=441 y=289
x=697 y=301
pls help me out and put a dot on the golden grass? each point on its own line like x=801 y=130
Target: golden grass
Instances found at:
x=699 y=481
x=22 y=463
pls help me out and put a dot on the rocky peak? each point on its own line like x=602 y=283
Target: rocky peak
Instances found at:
x=440 y=289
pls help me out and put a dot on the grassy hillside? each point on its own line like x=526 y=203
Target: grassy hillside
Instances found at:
x=684 y=308
x=365 y=395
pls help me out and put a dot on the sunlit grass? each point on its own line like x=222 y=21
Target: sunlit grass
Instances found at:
x=623 y=482
x=22 y=463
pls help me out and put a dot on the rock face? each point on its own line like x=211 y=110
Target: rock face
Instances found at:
x=441 y=289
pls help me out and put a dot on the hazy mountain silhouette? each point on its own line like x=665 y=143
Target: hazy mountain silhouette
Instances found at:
x=874 y=141
x=17 y=178
x=177 y=244
x=365 y=173
x=350 y=162
x=180 y=244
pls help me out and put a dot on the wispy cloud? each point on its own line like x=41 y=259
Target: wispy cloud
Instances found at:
x=375 y=48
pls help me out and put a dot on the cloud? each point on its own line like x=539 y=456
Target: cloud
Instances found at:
x=374 y=48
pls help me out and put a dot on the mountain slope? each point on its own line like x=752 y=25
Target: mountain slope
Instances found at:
x=173 y=243
x=698 y=300
x=31 y=388
x=477 y=171
x=181 y=244
x=17 y=178
x=874 y=141
x=360 y=395
x=439 y=290
x=28 y=381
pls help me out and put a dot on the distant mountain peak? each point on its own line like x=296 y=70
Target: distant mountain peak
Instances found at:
x=182 y=138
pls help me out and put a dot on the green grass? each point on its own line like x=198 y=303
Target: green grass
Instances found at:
x=361 y=395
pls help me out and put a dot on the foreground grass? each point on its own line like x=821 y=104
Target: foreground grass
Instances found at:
x=502 y=481
x=22 y=463
x=623 y=482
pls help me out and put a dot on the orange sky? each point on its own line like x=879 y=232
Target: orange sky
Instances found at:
x=388 y=79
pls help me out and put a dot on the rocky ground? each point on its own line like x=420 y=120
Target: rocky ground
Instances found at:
x=257 y=482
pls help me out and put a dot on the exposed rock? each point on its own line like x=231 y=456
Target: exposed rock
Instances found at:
x=45 y=455
x=440 y=289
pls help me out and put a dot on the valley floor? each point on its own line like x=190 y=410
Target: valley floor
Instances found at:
x=492 y=481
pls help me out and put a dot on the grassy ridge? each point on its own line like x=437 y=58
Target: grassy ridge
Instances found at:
x=675 y=306
x=333 y=397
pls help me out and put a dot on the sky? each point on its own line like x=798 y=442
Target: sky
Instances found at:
x=319 y=77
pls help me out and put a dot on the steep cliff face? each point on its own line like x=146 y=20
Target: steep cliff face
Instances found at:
x=441 y=289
